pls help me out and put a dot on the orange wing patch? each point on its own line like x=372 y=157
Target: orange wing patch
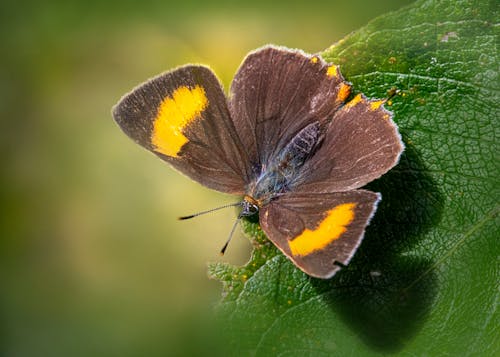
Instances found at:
x=329 y=229
x=344 y=91
x=376 y=104
x=356 y=100
x=175 y=113
x=332 y=71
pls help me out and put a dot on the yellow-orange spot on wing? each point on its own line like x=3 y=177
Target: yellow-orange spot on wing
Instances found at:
x=344 y=91
x=175 y=113
x=314 y=59
x=354 y=101
x=329 y=229
x=376 y=104
x=332 y=71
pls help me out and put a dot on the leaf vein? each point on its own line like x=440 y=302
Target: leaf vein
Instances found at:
x=426 y=78
x=489 y=216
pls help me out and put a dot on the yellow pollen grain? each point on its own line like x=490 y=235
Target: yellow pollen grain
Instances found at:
x=330 y=228
x=176 y=113
x=354 y=101
x=344 y=91
x=376 y=104
x=332 y=71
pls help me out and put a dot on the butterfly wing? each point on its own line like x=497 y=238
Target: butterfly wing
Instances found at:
x=361 y=143
x=276 y=93
x=317 y=230
x=182 y=116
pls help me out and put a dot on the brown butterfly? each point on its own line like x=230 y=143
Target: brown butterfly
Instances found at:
x=285 y=138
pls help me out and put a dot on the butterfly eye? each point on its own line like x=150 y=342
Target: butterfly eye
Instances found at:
x=253 y=209
x=249 y=209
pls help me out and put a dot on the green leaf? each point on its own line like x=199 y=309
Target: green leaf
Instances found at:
x=425 y=279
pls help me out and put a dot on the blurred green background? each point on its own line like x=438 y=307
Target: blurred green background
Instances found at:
x=93 y=260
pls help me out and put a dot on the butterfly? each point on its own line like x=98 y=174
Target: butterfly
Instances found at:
x=289 y=138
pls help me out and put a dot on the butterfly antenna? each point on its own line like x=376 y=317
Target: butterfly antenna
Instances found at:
x=223 y=250
x=209 y=211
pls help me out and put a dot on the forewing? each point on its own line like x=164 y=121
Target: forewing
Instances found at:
x=182 y=116
x=361 y=143
x=276 y=93
x=317 y=230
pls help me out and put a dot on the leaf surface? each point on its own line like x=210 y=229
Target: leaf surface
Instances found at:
x=425 y=279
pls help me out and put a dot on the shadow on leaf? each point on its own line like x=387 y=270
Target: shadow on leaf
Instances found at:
x=383 y=294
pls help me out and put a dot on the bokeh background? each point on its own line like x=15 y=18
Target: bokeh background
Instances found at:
x=92 y=259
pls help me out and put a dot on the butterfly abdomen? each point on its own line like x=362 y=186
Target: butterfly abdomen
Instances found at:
x=300 y=147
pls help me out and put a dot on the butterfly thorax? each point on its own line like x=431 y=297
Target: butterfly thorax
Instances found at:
x=280 y=174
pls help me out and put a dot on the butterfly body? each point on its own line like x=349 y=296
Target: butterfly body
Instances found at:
x=286 y=138
x=283 y=171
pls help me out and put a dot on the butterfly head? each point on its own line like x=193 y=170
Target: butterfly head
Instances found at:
x=250 y=207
